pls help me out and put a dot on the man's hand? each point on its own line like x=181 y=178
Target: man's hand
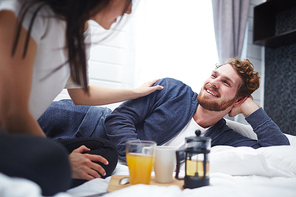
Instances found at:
x=83 y=166
x=246 y=108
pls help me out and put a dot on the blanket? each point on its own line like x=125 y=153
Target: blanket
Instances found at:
x=238 y=172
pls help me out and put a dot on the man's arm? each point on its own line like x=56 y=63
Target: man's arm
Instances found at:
x=121 y=123
x=246 y=108
x=158 y=116
x=267 y=131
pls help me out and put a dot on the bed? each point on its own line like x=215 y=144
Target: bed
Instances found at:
x=239 y=172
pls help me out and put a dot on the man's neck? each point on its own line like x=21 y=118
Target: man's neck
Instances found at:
x=206 y=118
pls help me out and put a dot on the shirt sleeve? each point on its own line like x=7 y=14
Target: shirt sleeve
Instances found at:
x=268 y=133
x=158 y=116
x=40 y=22
x=121 y=124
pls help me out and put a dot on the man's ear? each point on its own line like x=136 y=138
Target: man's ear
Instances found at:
x=240 y=101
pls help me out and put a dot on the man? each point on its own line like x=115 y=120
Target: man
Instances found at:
x=170 y=115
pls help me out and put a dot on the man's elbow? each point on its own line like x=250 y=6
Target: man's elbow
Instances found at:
x=285 y=141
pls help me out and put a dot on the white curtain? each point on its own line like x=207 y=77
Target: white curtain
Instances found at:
x=173 y=38
x=230 y=21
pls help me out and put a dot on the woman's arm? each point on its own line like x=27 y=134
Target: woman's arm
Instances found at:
x=16 y=79
x=101 y=96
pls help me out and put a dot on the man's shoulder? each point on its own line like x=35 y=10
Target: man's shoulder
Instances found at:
x=171 y=82
x=173 y=88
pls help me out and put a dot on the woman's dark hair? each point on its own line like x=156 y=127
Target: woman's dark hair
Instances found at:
x=75 y=13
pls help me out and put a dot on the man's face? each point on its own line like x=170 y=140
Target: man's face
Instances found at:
x=220 y=89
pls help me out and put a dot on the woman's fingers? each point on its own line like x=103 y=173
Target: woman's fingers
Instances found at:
x=81 y=149
x=95 y=166
x=147 y=88
x=84 y=166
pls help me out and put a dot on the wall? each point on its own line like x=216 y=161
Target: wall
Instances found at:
x=256 y=55
x=280 y=78
x=162 y=45
x=111 y=70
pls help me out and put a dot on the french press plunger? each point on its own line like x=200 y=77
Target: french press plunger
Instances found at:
x=196 y=161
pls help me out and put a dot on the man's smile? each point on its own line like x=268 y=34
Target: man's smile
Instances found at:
x=211 y=91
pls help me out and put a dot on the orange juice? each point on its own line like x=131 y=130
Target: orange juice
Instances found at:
x=140 y=167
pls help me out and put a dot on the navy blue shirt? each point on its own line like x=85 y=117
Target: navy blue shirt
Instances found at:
x=161 y=115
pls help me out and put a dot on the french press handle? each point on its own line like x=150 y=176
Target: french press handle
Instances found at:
x=178 y=158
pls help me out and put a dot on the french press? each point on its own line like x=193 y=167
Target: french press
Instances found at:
x=196 y=158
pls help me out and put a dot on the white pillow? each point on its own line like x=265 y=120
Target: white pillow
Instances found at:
x=292 y=139
x=245 y=130
x=274 y=161
x=280 y=157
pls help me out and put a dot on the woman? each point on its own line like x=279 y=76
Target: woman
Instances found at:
x=44 y=54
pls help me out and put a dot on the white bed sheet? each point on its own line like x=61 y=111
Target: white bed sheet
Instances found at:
x=239 y=172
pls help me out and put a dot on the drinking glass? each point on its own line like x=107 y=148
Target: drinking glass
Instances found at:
x=140 y=159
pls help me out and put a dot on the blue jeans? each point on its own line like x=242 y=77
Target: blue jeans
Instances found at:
x=75 y=125
x=63 y=119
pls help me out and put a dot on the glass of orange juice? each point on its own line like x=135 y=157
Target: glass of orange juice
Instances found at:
x=140 y=160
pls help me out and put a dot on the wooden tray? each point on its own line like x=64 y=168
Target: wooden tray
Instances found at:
x=114 y=183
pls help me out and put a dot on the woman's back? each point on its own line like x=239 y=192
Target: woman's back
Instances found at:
x=49 y=76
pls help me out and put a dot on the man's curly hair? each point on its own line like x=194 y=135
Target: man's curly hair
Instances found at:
x=245 y=70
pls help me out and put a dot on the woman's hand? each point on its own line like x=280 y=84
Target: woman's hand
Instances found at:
x=83 y=166
x=147 y=88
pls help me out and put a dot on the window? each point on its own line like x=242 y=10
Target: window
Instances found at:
x=161 y=38
x=174 y=38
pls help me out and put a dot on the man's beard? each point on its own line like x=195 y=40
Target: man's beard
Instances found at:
x=213 y=105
